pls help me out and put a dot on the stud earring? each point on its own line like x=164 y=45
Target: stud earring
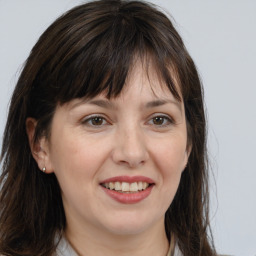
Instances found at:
x=44 y=169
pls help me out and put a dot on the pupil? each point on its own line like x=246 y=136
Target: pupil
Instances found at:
x=97 y=121
x=158 y=120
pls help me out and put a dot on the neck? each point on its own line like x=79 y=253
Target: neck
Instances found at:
x=149 y=242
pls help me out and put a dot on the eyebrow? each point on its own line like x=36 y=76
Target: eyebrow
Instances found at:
x=157 y=103
x=109 y=105
x=102 y=103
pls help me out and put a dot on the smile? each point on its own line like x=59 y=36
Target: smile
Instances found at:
x=128 y=190
x=125 y=187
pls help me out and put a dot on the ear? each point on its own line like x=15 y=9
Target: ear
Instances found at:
x=39 y=148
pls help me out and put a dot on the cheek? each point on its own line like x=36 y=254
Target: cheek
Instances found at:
x=75 y=160
x=171 y=160
x=76 y=168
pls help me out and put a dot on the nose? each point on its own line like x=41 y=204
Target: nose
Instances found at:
x=130 y=148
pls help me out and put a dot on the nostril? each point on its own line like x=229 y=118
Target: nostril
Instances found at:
x=130 y=150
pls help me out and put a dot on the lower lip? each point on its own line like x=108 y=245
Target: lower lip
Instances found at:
x=128 y=198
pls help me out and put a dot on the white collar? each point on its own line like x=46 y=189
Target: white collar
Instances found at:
x=65 y=249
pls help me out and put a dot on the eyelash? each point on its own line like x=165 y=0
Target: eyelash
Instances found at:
x=88 y=121
x=166 y=120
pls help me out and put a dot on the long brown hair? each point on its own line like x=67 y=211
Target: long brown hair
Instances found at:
x=89 y=50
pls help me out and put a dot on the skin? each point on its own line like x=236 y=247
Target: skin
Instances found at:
x=129 y=140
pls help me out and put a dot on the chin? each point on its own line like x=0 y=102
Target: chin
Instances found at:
x=130 y=224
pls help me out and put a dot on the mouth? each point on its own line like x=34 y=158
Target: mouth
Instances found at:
x=126 y=187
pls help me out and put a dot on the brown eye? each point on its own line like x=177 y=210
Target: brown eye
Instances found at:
x=159 y=120
x=94 y=121
x=97 y=120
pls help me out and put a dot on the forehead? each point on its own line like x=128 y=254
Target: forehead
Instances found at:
x=144 y=70
x=149 y=80
x=143 y=87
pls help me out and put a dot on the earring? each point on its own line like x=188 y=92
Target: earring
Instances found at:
x=44 y=169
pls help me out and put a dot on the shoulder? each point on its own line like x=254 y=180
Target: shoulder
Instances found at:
x=64 y=249
x=177 y=251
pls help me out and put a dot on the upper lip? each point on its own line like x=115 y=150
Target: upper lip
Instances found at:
x=128 y=179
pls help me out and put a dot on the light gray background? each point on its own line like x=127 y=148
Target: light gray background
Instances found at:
x=221 y=37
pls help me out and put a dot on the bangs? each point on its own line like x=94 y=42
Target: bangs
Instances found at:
x=94 y=55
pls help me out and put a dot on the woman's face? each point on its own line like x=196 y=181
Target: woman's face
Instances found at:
x=119 y=161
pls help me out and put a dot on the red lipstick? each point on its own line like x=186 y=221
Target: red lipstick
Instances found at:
x=130 y=197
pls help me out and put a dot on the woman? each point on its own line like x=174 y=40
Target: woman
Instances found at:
x=104 y=147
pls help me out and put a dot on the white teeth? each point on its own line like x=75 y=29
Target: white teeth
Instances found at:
x=140 y=186
x=134 y=186
x=118 y=185
x=126 y=187
x=111 y=185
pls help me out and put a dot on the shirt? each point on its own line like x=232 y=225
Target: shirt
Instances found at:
x=65 y=249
